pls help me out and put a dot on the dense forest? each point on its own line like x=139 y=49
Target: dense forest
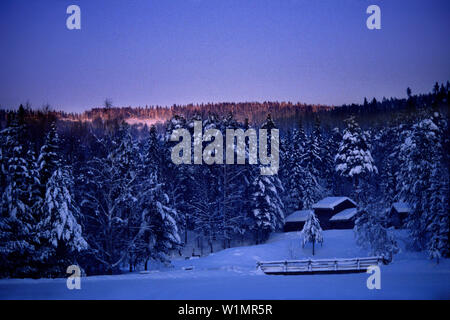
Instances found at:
x=92 y=190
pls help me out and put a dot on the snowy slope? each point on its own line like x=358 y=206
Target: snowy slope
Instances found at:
x=337 y=243
x=231 y=274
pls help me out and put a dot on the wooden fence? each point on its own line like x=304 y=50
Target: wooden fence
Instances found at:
x=309 y=266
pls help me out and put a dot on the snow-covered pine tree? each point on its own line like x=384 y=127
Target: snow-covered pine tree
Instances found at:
x=158 y=231
x=333 y=178
x=232 y=180
x=206 y=195
x=17 y=243
x=415 y=175
x=268 y=212
x=110 y=189
x=310 y=189
x=10 y=137
x=164 y=226
x=204 y=212
x=328 y=148
x=268 y=208
x=157 y=220
x=386 y=152
x=312 y=232
x=245 y=209
x=390 y=182
x=60 y=230
x=49 y=158
x=316 y=144
x=3 y=162
x=424 y=183
x=439 y=215
x=35 y=200
x=354 y=159
x=299 y=141
x=286 y=150
x=177 y=122
x=311 y=155
x=177 y=179
x=438 y=223
x=296 y=170
x=153 y=155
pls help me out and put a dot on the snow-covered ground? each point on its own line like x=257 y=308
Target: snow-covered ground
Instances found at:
x=232 y=274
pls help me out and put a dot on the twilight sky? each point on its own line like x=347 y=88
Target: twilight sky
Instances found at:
x=181 y=51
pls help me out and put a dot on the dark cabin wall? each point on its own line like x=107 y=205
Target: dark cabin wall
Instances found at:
x=293 y=226
x=347 y=204
x=324 y=216
x=326 y=225
x=343 y=225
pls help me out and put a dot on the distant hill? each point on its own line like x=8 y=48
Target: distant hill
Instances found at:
x=285 y=114
x=255 y=112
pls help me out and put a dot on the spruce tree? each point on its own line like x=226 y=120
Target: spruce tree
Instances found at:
x=60 y=231
x=296 y=174
x=157 y=229
x=49 y=158
x=309 y=173
x=178 y=178
x=424 y=185
x=354 y=160
x=438 y=217
x=268 y=213
x=268 y=208
x=415 y=176
x=17 y=222
x=312 y=232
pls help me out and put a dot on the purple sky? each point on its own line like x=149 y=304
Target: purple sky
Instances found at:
x=181 y=51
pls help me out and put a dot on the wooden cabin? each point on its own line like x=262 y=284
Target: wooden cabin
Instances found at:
x=344 y=219
x=335 y=212
x=296 y=220
x=399 y=212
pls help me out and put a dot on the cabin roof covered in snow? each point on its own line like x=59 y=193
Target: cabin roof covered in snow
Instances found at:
x=344 y=215
x=298 y=216
x=331 y=202
x=401 y=207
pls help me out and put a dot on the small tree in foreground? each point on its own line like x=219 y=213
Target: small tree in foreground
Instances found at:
x=312 y=232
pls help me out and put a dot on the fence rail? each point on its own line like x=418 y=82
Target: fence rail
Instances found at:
x=309 y=266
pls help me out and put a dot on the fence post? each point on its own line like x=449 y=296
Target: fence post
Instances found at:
x=285 y=266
